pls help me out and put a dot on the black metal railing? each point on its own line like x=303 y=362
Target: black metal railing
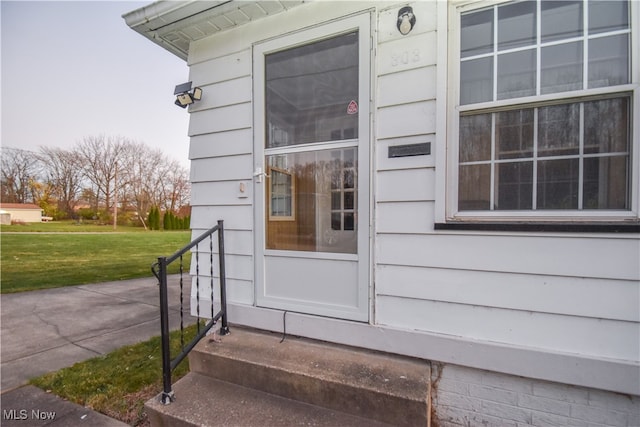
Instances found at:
x=159 y=269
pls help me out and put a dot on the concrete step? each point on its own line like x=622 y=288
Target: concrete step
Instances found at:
x=382 y=387
x=203 y=401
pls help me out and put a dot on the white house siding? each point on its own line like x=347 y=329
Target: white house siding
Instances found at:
x=572 y=293
x=221 y=162
x=475 y=298
x=510 y=289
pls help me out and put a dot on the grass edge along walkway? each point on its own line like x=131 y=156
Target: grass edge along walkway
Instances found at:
x=119 y=383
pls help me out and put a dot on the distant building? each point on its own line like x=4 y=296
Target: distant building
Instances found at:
x=5 y=217
x=22 y=212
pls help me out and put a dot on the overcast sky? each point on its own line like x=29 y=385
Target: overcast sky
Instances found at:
x=75 y=69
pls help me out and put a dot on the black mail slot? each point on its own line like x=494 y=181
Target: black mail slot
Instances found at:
x=408 y=150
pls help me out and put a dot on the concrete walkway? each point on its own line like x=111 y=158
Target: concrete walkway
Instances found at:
x=44 y=331
x=28 y=406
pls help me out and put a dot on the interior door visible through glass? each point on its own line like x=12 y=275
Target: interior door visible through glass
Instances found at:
x=312 y=98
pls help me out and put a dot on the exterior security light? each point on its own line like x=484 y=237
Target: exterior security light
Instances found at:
x=406 y=20
x=197 y=94
x=183 y=99
x=184 y=95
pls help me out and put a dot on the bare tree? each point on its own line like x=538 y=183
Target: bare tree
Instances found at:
x=155 y=180
x=19 y=172
x=109 y=172
x=139 y=178
x=176 y=187
x=61 y=169
x=99 y=156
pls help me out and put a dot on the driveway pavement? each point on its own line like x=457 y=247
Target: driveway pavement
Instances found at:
x=43 y=331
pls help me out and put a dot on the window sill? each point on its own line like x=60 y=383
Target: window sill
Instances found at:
x=543 y=226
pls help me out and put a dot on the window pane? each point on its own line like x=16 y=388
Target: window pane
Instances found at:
x=349 y=178
x=514 y=134
x=514 y=186
x=561 y=20
x=476 y=81
x=349 y=221
x=335 y=201
x=318 y=224
x=308 y=92
x=349 y=200
x=517 y=74
x=475 y=138
x=561 y=68
x=517 y=25
x=606 y=126
x=336 y=221
x=476 y=36
x=559 y=130
x=606 y=183
x=608 y=15
x=349 y=158
x=609 y=61
x=558 y=184
x=474 y=187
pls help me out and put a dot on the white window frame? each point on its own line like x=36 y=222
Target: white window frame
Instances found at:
x=448 y=133
x=289 y=193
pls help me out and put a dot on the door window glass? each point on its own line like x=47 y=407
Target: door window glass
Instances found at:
x=324 y=201
x=312 y=92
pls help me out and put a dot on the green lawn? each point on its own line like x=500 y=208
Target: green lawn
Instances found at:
x=39 y=260
x=119 y=383
x=39 y=256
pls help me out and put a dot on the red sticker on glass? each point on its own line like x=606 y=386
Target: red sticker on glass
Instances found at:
x=352 y=108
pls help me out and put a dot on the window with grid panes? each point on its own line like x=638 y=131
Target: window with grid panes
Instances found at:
x=545 y=107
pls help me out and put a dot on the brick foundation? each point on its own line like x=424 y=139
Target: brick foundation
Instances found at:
x=471 y=397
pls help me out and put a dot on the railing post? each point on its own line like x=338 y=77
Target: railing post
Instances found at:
x=159 y=270
x=224 y=329
x=167 y=393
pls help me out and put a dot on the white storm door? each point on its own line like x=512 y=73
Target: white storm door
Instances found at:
x=311 y=112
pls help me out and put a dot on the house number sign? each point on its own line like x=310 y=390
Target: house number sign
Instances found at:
x=405 y=57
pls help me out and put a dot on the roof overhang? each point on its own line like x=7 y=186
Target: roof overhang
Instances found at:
x=175 y=24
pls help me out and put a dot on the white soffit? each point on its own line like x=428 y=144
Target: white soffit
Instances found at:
x=175 y=24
